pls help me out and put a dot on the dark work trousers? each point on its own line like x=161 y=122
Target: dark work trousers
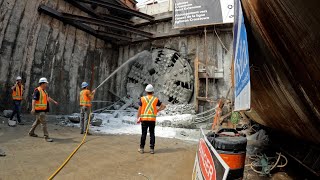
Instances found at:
x=144 y=126
x=16 y=110
x=84 y=117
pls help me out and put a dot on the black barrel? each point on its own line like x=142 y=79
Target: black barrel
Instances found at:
x=232 y=149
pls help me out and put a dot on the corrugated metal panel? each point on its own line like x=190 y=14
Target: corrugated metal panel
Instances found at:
x=284 y=45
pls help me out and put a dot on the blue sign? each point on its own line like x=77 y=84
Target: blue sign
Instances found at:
x=241 y=61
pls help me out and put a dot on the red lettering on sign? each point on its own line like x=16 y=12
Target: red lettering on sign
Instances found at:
x=206 y=162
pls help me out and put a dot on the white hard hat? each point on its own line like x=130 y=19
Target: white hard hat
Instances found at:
x=84 y=84
x=19 y=78
x=149 y=88
x=43 y=80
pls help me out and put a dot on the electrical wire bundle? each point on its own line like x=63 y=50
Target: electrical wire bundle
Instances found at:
x=262 y=164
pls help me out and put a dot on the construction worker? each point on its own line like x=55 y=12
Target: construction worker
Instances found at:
x=17 y=92
x=85 y=106
x=40 y=107
x=147 y=113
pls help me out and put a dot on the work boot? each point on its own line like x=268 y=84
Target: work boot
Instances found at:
x=81 y=132
x=141 y=150
x=48 y=139
x=33 y=135
x=151 y=151
x=20 y=123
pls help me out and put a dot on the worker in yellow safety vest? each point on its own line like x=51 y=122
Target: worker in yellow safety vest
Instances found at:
x=17 y=92
x=147 y=114
x=40 y=107
x=86 y=97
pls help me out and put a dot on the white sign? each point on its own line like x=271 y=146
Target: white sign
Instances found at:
x=227 y=7
x=241 y=62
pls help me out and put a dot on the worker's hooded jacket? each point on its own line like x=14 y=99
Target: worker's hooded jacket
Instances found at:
x=17 y=93
x=85 y=98
x=149 y=108
x=41 y=103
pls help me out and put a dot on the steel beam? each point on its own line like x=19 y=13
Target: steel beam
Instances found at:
x=91 y=12
x=116 y=18
x=77 y=24
x=82 y=7
x=106 y=4
x=114 y=35
x=182 y=33
x=164 y=18
x=122 y=3
x=109 y=24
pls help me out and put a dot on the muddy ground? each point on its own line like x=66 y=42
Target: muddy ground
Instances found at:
x=101 y=157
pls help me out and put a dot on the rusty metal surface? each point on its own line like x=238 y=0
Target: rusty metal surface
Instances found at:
x=284 y=48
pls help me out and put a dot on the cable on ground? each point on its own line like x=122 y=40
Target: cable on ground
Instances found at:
x=74 y=151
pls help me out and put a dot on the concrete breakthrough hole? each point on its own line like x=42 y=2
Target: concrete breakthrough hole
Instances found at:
x=171 y=75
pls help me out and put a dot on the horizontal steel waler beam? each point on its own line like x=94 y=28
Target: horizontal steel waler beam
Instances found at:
x=122 y=3
x=82 y=7
x=105 y=23
x=116 y=18
x=99 y=34
x=106 y=4
x=91 y=12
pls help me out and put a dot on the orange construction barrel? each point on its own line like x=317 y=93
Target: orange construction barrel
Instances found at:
x=232 y=149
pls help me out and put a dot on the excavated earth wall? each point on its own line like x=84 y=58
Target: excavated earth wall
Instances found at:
x=35 y=45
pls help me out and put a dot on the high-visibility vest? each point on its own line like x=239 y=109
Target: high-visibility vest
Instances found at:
x=42 y=102
x=85 y=99
x=17 y=92
x=149 y=108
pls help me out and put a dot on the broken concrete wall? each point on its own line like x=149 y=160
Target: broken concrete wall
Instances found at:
x=35 y=46
x=219 y=55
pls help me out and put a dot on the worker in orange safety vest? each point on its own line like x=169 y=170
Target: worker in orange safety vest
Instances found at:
x=17 y=92
x=40 y=107
x=86 y=97
x=147 y=114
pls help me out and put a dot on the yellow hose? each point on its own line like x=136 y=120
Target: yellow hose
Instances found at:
x=74 y=151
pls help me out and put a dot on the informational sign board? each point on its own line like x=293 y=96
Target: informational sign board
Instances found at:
x=191 y=13
x=208 y=163
x=241 y=62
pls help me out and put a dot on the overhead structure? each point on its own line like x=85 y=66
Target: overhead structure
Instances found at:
x=115 y=7
x=114 y=25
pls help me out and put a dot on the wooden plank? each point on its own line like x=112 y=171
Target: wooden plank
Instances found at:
x=207 y=87
x=205 y=99
x=196 y=82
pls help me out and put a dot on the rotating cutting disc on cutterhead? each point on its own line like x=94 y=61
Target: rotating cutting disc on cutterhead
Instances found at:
x=169 y=73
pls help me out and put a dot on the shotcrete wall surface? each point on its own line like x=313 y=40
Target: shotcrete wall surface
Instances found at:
x=35 y=45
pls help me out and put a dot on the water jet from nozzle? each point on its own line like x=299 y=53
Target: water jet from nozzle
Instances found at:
x=142 y=54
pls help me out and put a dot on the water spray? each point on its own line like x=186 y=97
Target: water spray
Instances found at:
x=143 y=53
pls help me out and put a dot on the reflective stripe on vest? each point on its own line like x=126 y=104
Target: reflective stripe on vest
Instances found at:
x=42 y=103
x=17 y=93
x=85 y=100
x=149 y=108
